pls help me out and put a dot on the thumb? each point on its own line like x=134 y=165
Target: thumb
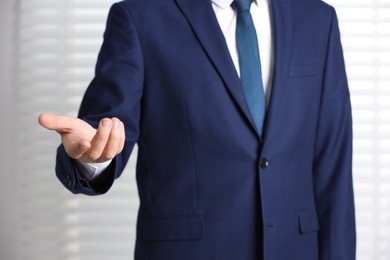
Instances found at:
x=61 y=124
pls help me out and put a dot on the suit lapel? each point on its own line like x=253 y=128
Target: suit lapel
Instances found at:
x=201 y=17
x=282 y=32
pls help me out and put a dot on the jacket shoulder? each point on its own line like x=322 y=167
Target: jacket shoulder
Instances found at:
x=313 y=6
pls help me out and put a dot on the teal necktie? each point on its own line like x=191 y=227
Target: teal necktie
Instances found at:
x=249 y=61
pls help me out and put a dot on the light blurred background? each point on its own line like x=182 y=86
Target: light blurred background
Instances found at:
x=48 y=51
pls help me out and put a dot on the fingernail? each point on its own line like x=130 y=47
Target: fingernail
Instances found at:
x=116 y=124
x=106 y=124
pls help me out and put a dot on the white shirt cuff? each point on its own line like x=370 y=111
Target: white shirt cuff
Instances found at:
x=92 y=170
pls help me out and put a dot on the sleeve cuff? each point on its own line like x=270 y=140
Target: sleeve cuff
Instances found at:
x=90 y=171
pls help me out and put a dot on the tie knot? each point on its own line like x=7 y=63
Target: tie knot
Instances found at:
x=241 y=5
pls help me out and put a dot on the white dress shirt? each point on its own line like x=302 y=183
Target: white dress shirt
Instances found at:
x=226 y=16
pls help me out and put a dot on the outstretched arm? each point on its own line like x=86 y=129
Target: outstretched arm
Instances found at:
x=115 y=92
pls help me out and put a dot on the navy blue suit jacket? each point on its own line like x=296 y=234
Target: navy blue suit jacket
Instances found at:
x=210 y=187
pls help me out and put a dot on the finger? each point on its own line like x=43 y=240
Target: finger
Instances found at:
x=78 y=150
x=111 y=149
x=121 y=144
x=99 y=141
x=60 y=124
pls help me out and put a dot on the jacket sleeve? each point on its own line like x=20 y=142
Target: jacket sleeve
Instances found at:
x=332 y=166
x=115 y=91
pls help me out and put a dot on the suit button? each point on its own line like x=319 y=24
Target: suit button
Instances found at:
x=264 y=163
x=68 y=180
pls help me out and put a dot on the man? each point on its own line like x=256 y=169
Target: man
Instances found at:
x=216 y=180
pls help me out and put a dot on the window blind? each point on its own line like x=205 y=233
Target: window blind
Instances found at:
x=58 y=44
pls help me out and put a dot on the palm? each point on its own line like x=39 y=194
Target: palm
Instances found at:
x=82 y=141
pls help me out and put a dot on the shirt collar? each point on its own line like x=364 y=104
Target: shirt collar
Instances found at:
x=222 y=3
x=225 y=3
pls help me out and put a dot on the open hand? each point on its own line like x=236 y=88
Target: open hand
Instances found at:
x=85 y=143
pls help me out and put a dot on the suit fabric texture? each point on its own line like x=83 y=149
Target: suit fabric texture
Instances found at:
x=210 y=186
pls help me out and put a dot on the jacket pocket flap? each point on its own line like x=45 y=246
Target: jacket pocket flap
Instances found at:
x=304 y=70
x=308 y=221
x=174 y=228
